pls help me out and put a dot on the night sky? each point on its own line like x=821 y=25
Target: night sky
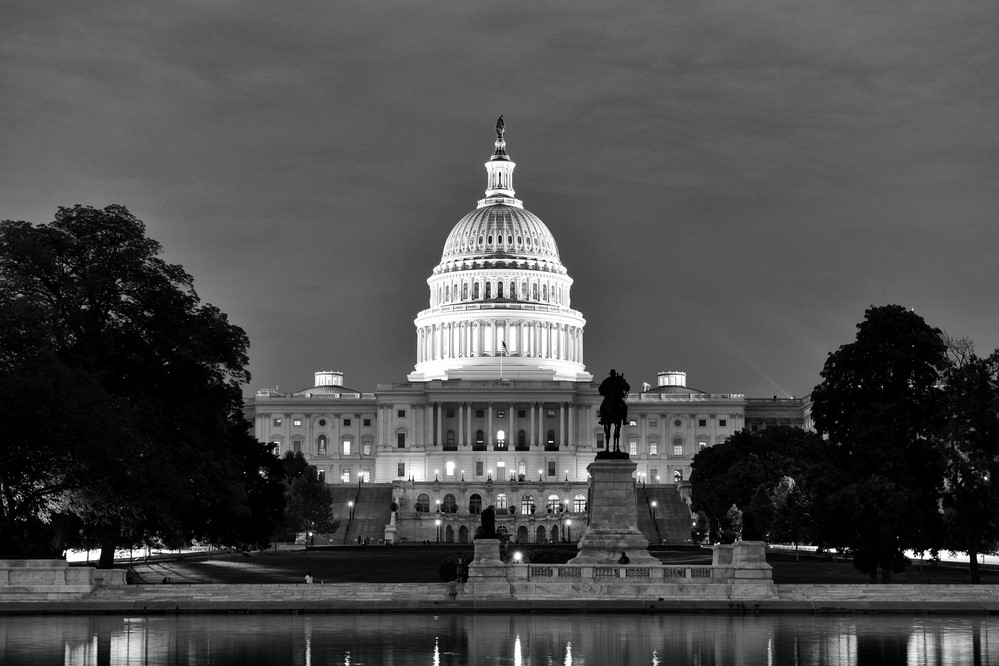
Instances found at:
x=731 y=184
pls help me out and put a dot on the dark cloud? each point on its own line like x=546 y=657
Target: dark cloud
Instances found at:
x=731 y=184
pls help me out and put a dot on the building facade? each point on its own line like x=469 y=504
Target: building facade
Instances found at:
x=499 y=408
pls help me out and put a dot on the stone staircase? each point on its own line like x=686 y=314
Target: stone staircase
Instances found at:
x=372 y=512
x=672 y=517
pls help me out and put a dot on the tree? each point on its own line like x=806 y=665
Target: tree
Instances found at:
x=970 y=439
x=792 y=519
x=731 y=525
x=700 y=530
x=731 y=472
x=762 y=507
x=86 y=300
x=878 y=404
x=309 y=501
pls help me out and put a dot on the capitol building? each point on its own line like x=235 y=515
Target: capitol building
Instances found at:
x=499 y=408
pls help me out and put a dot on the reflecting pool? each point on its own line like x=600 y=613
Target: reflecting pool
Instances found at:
x=518 y=639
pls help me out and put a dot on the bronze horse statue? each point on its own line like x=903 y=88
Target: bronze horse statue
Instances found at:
x=613 y=408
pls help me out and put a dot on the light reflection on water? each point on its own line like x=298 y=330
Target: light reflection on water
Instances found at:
x=501 y=640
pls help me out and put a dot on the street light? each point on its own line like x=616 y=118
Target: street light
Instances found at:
x=438 y=523
x=350 y=510
x=438 y=506
x=653 y=511
x=568 y=527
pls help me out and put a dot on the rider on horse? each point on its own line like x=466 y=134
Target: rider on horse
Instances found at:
x=613 y=408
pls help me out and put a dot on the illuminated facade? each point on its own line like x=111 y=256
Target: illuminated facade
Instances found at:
x=499 y=408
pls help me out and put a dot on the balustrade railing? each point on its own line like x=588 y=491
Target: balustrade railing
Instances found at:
x=596 y=572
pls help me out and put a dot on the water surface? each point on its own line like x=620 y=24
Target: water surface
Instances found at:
x=495 y=639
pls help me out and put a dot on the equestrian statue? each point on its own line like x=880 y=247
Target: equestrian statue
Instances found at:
x=613 y=408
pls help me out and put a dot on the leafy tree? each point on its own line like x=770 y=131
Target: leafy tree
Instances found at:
x=878 y=404
x=96 y=326
x=970 y=437
x=309 y=501
x=762 y=506
x=792 y=519
x=701 y=529
x=730 y=473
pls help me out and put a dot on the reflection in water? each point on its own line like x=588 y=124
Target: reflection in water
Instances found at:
x=521 y=640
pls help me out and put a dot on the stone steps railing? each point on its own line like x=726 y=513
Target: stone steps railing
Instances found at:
x=584 y=572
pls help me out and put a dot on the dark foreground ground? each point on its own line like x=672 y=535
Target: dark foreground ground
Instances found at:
x=418 y=564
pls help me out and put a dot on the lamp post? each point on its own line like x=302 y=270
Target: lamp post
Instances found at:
x=568 y=528
x=438 y=523
x=654 y=511
x=350 y=510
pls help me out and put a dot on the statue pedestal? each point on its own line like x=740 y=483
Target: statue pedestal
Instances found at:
x=487 y=573
x=613 y=527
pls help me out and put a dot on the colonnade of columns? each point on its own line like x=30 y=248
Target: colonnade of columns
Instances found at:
x=432 y=422
x=486 y=338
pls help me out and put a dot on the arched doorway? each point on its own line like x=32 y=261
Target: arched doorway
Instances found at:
x=462 y=534
x=522 y=534
x=449 y=534
x=554 y=533
x=540 y=534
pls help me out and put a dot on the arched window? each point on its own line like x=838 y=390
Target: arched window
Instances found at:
x=550 y=444
x=513 y=291
x=447 y=293
x=527 y=505
x=677 y=476
x=500 y=440
x=475 y=291
x=423 y=503
x=677 y=445
x=544 y=292
x=489 y=290
x=449 y=534
x=462 y=534
x=534 y=291
x=464 y=292
x=480 y=441
x=450 y=504
x=553 y=504
x=501 y=501
x=321 y=443
x=579 y=503
x=475 y=504
x=522 y=441
x=499 y=290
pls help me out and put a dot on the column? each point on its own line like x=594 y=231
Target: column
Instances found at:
x=572 y=426
x=531 y=432
x=460 y=438
x=437 y=414
x=489 y=426
x=561 y=424
x=510 y=434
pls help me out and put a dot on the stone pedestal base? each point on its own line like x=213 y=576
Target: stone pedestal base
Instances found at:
x=613 y=527
x=487 y=573
x=48 y=577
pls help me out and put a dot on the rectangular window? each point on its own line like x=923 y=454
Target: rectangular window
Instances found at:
x=346 y=423
x=678 y=449
x=366 y=448
x=479 y=413
x=278 y=422
x=400 y=470
x=449 y=468
x=654 y=474
x=551 y=412
x=722 y=423
x=702 y=423
x=296 y=445
x=401 y=413
x=346 y=447
x=702 y=444
x=501 y=413
x=551 y=468
x=521 y=413
x=600 y=441
x=367 y=423
x=653 y=448
x=501 y=470
x=297 y=423
x=450 y=413
x=632 y=448
x=400 y=439
x=366 y=475
x=479 y=468
x=322 y=475
x=345 y=475
x=653 y=423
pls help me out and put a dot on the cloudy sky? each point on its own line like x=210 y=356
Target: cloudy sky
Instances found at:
x=731 y=184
